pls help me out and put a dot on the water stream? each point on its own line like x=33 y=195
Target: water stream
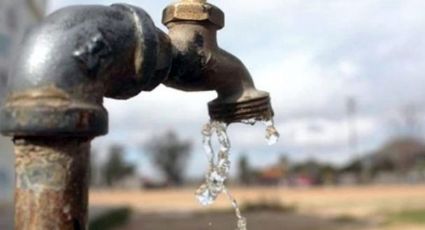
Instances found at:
x=219 y=164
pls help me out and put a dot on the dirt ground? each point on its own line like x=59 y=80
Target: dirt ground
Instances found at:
x=332 y=208
x=345 y=208
x=227 y=221
x=325 y=202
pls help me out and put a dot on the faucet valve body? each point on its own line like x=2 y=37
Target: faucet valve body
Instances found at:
x=200 y=64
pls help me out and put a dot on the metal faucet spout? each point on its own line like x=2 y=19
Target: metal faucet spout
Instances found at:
x=199 y=64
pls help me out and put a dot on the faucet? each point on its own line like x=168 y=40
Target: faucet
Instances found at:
x=81 y=54
x=199 y=64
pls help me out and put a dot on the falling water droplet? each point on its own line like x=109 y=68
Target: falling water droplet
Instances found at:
x=251 y=121
x=219 y=164
x=204 y=195
x=219 y=169
x=272 y=135
x=241 y=224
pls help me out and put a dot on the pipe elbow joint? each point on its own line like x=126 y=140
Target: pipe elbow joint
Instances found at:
x=73 y=59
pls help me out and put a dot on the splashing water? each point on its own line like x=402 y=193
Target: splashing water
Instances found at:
x=219 y=166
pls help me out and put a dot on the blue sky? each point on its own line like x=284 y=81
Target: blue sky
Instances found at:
x=311 y=56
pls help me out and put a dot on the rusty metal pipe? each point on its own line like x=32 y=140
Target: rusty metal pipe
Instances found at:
x=54 y=106
x=200 y=64
x=52 y=177
x=75 y=57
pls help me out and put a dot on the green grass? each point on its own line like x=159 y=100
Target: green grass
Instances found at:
x=345 y=219
x=259 y=206
x=408 y=216
x=268 y=205
x=111 y=219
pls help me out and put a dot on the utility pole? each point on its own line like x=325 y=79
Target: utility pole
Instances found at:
x=351 y=106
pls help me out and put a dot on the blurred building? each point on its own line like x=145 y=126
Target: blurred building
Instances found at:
x=16 y=17
x=271 y=176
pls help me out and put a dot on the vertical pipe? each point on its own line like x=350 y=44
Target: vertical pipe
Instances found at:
x=52 y=177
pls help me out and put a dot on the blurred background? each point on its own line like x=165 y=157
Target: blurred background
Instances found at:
x=347 y=85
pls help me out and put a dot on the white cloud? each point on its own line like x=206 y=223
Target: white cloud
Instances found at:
x=326 y=132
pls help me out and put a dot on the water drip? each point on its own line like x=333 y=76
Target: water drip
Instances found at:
x=219 y=164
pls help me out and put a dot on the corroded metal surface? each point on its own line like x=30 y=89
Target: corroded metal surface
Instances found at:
x=200 y=64
x=47 y=111
x=51 y=184
x=258 y=109
x=193 y=11
x=117 y=52
x=74 y=58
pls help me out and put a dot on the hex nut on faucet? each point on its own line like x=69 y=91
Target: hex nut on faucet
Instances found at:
x=193 y=11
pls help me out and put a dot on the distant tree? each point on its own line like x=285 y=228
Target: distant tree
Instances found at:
x=354 y=166
x=402 y=154
x=408 y=122
x=320 y=173
x=284 y=164
x=245 y=172
x=382 y=164
x=398 y=156
x=170 y=155
x=309 y=167
x=115 y=167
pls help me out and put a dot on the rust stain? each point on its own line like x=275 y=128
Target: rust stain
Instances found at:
x=84 y=120
x=44 y=96
x=40 y=174
x=51 y=183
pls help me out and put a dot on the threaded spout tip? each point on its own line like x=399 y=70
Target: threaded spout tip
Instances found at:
x=195 y=1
